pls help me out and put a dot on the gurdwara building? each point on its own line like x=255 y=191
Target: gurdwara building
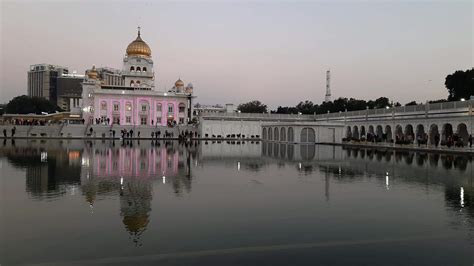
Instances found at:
x=128 y=96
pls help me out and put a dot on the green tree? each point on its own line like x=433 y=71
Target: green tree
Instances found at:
x=30 y=105
x=460 y=84
x=252 y=107
x=411 y=103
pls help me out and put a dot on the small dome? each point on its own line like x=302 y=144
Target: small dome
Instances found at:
x=92 y=74
x=179 y=83
x=138 y=47
x=190 y=85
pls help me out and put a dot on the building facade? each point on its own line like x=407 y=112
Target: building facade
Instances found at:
x=42 y=80
x=69 y=92
x=128 y=96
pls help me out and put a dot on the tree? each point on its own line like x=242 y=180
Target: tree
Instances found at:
x=306 y=107
x=28 y=105
x=460 y=84
x=411 y=103
x=252 y=107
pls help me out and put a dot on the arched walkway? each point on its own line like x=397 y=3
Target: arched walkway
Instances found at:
x=307 y=135
x=275 y=134
x=379 y=133
x=388 y=133
x=264 y=133
x=447 y=133
x=409 y=135
x=355 y=133
x=421 y=136
x=282 y=134
x=291 y=135
x=363 y=134
x=462 y=133
x=434 y=135
x=270 y=134
x=398 y=134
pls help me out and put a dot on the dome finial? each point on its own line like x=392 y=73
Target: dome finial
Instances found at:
x=139 y=30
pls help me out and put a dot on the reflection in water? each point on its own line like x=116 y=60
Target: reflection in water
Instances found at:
x=128 y=171
x=135 y=206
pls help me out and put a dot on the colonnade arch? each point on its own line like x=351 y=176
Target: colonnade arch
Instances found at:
x=449 y=133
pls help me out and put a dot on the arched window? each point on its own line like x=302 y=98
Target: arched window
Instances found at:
x=128 y=107
x=137 y=84
x=132 y=69
x=103 y=106
x=132 y=83
x=170 y=108
x=181 y=107
x=144 y=69
x=139 y=69
x=158 y=107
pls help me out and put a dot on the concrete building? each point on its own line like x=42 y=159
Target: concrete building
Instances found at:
x=128 y=96
x=69 y=92
x=42 y=80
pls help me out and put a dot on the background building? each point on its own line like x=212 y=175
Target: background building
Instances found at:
x=42 y=80
x=69 y=92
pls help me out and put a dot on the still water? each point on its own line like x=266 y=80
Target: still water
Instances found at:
x=83 y=203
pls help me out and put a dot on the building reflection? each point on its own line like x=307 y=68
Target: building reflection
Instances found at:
x=129 y=170
x=54 y=175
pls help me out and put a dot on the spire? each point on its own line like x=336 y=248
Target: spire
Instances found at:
x=138 y=30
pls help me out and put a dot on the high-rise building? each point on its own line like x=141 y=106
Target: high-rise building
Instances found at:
x=42 y=80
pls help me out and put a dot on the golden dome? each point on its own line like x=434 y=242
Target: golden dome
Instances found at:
x=92 y=74
x=138 y=47
x=179 y=83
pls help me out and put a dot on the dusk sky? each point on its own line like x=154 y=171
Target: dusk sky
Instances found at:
x=236 y=51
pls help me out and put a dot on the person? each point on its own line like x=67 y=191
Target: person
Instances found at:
x=4 y=132
x=470 y=141
x=13 y=131
x=113 y=134
x=131 y=133
x=90 y=130
x=138 y=134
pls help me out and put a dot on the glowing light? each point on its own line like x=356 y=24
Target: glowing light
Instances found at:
x=166 y=94
x=299 y=166
x=387 y=181
x=164 y=179
x=462 y=99
x=238 y=166
x=388 y=107
x=121 y=180
x=462 y=197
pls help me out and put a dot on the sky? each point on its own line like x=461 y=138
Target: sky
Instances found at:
x=236 y=51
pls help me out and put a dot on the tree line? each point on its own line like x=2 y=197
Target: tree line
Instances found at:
x=460 y=85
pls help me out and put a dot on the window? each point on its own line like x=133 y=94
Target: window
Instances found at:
x=143 y=120
x=128 y=107
x=132 y=69
x=144 y=69
x=170 y=108
x=143 y=108
x=132 y=83
x=138 y=69
x=158 y=107
x=128 y=119
x=181 y=120
x=158 y=120
x=182 y=107
x=103 y=106
x=116 y=107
